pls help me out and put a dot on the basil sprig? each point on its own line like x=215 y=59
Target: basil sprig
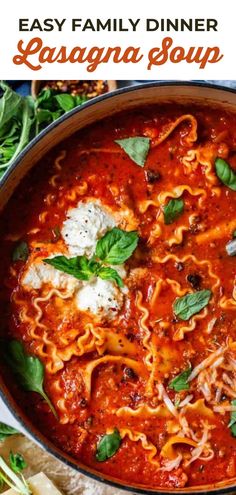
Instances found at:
x=225 y=173
x=108 y=446
x=28 y=369
x=115 y=247
x=6 y=431
x=232 y=423
x=136 y=148
x=191 y=304
x=180 y=381
x=172 y=210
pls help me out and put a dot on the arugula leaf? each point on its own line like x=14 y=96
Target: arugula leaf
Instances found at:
x=10 y=103
x=79 y=266
x=22 y=118
x=172 y=210
x=187 y=306
x=232 y=423
x=137 y=148
x=107 y=273
x=108 y=446
x=28 y=369
x=21 y=252
x=17 y=462
x=116 y=246
x=6 y=431
x=180 y=381
x=225 y=173
x=65 y=101
x=17 y=116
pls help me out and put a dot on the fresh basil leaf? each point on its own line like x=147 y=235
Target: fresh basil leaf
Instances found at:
x=137 y=148
x=187 y=306
x=172 y=210
x=180 y=381
x=108 y=446
x=6 y=431
x=225 y=173
x=234 y=234
x=28 y=369
x=116 y=246
x=79 y=266
x=17 y=462
x=21 y=252
x=107 y=273
x=232 y=423
x=65 y=101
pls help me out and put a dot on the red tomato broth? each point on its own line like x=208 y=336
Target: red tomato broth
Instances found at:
x=84 y=420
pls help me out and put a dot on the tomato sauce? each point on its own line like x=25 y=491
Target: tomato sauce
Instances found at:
x=184 y=257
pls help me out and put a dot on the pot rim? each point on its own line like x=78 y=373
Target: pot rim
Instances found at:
x=37 y=435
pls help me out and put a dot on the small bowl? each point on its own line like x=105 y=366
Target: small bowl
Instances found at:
x=37 y=85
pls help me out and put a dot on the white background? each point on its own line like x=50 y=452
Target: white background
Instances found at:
x=224 y=12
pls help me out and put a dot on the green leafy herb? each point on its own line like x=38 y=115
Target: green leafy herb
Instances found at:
x=28 y=370
x=180 y=382
x=17 y=115
x=17 y=462
x=79 y=266
x=6 y=431
x=107 y=273
x=65 y=101
x=21 y=252
x=225 y=173
x=187 y=306
x=22 y=118
x=108 y=446
x=136 y=147
x=113 y=249
x=234 y=234
x=232 y=423
x=172 y=210
x=8 y=474
x=116 y=246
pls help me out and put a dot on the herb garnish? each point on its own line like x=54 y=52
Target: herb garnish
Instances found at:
x=22 y=118
x=187 y=306
x=172 y=210
x=180 y=381
x=21 y=252
x=6 y=431
x=225 y=173
x=137 y=148
x=232 y=423
x=115 y=247
x=28 y=369
x=108 y=446
x=9 y=476
x=17 y=462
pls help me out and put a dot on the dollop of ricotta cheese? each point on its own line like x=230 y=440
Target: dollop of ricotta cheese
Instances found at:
x=100 y=297
x=84 y=226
